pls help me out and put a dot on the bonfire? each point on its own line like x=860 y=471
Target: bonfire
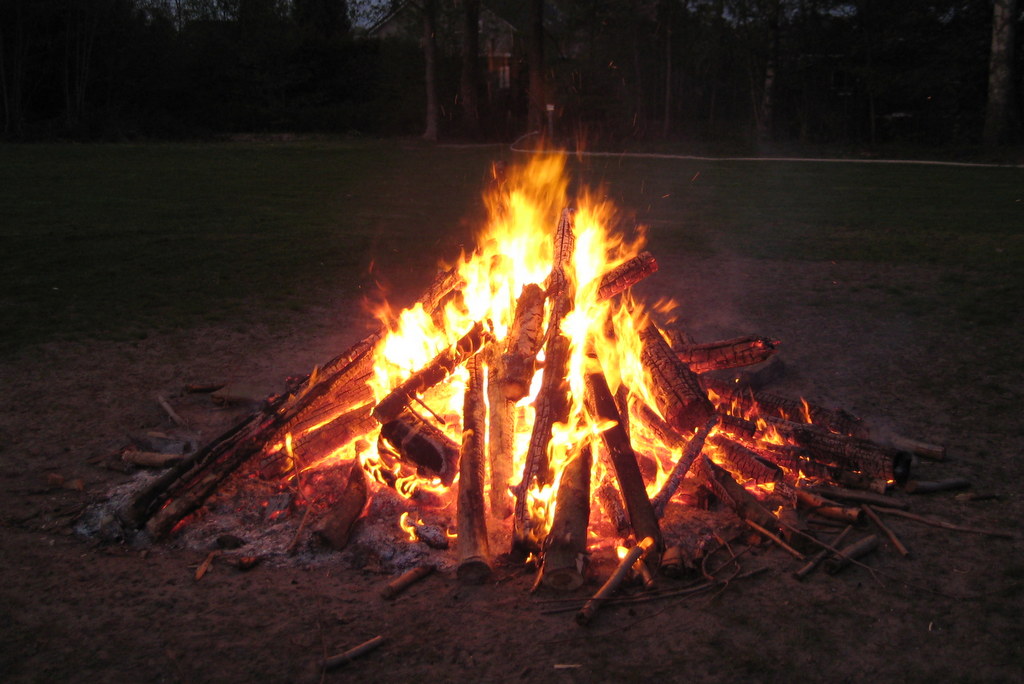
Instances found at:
x=528 y=396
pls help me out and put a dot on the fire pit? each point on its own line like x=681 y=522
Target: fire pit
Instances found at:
x=529 y=407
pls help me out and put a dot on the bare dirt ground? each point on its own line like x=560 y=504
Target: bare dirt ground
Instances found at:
x=74 y=609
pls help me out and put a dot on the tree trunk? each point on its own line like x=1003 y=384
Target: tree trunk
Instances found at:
x=470 y=61
x=430 y=68
x=1000 y=72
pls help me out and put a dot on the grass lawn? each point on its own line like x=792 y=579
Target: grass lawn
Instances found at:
x=118 y=241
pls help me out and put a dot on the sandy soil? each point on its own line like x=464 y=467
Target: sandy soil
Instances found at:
x=74 y=609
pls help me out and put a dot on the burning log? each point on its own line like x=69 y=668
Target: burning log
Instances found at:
x=665 y=433
x=848 y=453
x=335 y=528
x=682 y=466
x=611 y=503
x=552 y=403
x=850 y=553
x=737 y=427
x=858 y=496
x=500 y=437
x=626 y=275
x=474 y=551
x=434 y=372
x=586 y=613
x=677 y=391
x=566 y=543
x=734 y=353
x=642 y=517
x=722 y=485
x=552 y=406
x=797 y=410
x=523 y=342
x=746 y=461
x=423 y=445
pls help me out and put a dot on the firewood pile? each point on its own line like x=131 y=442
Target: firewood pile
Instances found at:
x=566 y=422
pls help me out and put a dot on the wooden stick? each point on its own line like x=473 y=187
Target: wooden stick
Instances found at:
x=178 y=420
x=777 y=540
x=682 y=466
x=946 y=525
x=858 y=496
x=405 y=580
x=722 y=485
x=586 y=613
x=935 y=452
x=421 y=444
x=828 y=509
x=885 y=529
x=473 y=547
x=816 y=559
x=351 y=654
x=851 y=553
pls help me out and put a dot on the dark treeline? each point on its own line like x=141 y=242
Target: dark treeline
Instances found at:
x=813 y=71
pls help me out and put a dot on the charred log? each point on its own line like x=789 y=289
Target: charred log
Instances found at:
x=421 y=444
x=746 y=462
x=734 y=353
x=682 y=466
x=743 y=503
x=677 y=391
x=500 y=437
x=626 y=275
x=796 y=410
x=523 y=342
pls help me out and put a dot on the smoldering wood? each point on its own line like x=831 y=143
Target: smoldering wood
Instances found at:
x=642 y=518
x=611 y=503
x=558 y=281
x=566 y=543
x=722 y=354
x=847 y=453
x=650 y=419
x=611 y=585
x=335 y=528
x=405 y=580
x=349 y=390
x=850 y=553
x=828 y=509
x=743 y=503
x=796 y=410
x=682 y=466
x=439 y=368
x=627 y=274
x=524 y=340
x=677 y=392
x=421 y=444
x=500 y=437
x=746 y=461
x=473 y=547
x=737 y=426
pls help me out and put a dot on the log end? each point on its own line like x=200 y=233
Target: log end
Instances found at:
x=563 y=579
x=474 y=570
